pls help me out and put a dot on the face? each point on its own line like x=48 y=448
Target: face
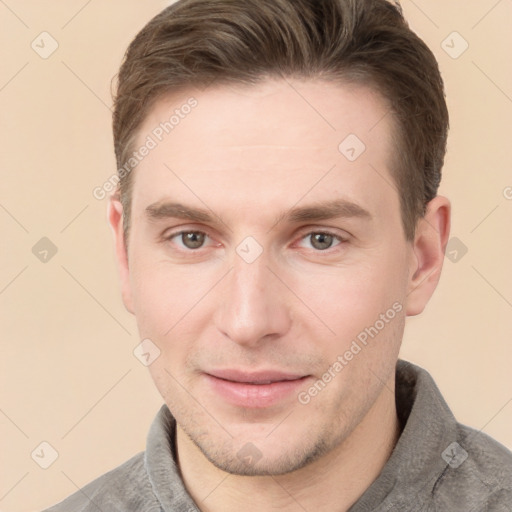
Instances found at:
x=270 y=268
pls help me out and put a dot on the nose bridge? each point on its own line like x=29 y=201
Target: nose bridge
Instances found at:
x=248 y=284
x=251 y=306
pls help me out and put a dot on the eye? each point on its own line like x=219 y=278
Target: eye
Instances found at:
x=321 y=241
x=189 y=239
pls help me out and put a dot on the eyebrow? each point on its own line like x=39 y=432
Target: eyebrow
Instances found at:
x=324 y=210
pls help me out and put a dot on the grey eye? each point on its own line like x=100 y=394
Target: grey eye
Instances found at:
x=321 y=241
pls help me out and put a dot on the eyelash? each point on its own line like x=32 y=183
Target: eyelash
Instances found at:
x=340 y=239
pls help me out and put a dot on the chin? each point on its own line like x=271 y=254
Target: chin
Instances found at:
x=250 y=460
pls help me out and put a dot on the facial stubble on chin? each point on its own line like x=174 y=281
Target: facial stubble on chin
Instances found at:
x=226 y=459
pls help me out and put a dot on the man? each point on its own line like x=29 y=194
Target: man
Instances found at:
x=276 y=220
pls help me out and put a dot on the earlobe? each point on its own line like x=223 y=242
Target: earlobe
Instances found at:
x=115 y=220
x=431 y=237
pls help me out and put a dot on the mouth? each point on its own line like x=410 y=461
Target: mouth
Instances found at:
x=254 y=389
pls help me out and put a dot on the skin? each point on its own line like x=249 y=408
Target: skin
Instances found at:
x=248 y=155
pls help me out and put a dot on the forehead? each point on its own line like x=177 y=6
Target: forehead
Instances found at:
x=271 y=142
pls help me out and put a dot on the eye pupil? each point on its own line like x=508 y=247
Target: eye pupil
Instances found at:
x=321 y=241
x=193 y=239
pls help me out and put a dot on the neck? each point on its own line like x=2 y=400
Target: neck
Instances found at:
x=334 y=482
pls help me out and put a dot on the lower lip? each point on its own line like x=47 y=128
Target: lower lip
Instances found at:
x=242 y=394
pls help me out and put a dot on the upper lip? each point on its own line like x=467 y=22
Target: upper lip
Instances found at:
x=258 y=377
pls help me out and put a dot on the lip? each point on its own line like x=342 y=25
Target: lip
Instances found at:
x=254 y=389
x=259 y=377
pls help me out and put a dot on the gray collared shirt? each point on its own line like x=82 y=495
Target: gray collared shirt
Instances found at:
x=437 y=465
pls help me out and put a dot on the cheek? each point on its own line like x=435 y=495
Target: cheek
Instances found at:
x=167 y=303
x=351 y=297
x=359 y=316
x=166 y=296
x=364 y=308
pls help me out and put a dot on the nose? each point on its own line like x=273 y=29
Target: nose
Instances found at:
x=253 y=305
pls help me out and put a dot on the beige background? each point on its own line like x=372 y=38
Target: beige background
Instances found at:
x=68 y=373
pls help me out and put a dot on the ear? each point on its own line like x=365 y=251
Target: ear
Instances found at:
x=115 y=220
x=430 y=239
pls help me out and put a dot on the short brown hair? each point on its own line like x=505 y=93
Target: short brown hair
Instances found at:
x=201 y=42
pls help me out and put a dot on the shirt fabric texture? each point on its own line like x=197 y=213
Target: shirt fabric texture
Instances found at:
x=437 y=465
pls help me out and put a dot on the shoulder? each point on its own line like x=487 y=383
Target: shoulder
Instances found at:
x=478 y=472
x=122 y=489
x=486 y=454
